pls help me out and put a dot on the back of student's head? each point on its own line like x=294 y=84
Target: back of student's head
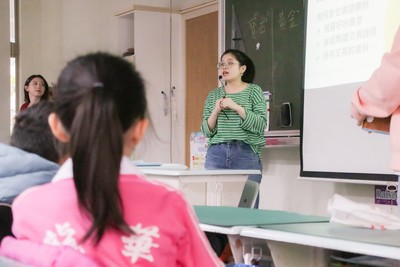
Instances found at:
x=32 y=133
x=99 y=97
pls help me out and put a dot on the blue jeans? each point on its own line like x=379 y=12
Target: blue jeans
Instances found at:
x=235 y=155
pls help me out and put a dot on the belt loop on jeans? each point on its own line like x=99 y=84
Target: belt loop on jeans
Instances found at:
x=234 y=142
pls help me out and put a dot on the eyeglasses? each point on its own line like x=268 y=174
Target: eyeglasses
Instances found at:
x=227 y=65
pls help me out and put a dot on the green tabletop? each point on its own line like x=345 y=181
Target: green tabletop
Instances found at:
x=235 y=216
x=342 y=232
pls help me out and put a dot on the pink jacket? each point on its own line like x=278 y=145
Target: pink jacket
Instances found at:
x=380 y=97
x=166 y=227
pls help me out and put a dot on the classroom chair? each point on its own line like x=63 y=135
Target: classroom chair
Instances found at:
x=249 y=195
x=219 y=242
x=8 y=262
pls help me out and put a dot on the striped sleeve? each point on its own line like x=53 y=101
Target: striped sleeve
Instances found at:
x=256 y=116
x=208 y=108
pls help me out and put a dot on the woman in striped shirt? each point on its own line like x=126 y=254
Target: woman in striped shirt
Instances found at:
x=235 y=117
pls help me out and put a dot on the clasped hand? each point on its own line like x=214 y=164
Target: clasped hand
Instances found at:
x=225 y=103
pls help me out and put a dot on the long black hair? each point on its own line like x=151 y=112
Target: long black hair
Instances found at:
x=45 y=95
x=250 y=72
x=99 y=97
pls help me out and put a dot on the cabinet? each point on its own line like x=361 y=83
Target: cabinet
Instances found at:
x=155 y=36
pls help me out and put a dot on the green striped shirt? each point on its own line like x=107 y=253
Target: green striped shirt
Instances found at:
x=250 y=130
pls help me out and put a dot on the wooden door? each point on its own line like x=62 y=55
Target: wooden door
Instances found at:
x=201 y=70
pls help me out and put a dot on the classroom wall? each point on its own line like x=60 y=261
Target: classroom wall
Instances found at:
x=4 y=71
x=51 y=32
x=281 y=188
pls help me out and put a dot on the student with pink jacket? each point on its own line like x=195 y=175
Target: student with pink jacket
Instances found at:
x=380 y=97
x=99 y=203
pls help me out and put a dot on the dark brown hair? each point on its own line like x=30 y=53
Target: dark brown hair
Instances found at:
x=99 y=97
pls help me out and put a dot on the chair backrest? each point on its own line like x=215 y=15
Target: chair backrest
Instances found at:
x=36 y=254
x=8 y=262
x=249 y=195
x=5 y=220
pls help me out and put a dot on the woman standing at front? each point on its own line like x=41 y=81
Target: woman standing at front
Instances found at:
x=235 y=117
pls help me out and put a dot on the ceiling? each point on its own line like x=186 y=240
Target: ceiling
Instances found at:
x=176 y=4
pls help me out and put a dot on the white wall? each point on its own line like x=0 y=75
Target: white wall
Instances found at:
x=54 y=32
x=281 y=188
x=5 y=71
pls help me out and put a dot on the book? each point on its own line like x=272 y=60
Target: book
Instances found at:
x=377 y=125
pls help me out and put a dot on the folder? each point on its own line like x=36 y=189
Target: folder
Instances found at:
x=377 y=125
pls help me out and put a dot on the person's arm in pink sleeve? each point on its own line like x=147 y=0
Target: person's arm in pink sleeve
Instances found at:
x=380 y=95
x=195 y=249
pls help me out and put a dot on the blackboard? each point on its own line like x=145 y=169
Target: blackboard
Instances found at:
x=271 y=33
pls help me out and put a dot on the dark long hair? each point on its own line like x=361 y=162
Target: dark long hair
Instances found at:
x=45 y=95
x=99 y=97
x=250 y=72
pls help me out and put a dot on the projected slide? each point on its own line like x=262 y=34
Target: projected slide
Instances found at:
x=344 y=36
x=345 y=41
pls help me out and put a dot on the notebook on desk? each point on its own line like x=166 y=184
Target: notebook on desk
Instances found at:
x=235 y=216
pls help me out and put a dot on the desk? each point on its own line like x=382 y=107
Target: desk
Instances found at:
x=309 y=243
x=233 y=221
x=204 y=187
x=294 y=239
